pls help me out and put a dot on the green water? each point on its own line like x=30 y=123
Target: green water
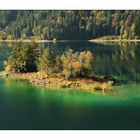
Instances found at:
x=23 y=106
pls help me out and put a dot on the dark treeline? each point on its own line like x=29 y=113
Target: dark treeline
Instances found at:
x=69 y=24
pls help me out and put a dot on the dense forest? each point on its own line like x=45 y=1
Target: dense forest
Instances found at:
x=69 y=24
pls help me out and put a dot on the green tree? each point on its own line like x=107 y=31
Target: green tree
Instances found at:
x=23 y=58
x=46 y=62
x=122 y=29
x=133 y=31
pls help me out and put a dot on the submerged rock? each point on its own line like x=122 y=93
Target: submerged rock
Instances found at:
x=109 y=78
x=98 y=88
x=42 y=81
x=70 y=85
x=5 y=74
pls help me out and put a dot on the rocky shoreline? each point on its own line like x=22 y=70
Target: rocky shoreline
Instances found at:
x=41 y=79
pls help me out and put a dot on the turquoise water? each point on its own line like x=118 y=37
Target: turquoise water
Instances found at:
x=23 y=106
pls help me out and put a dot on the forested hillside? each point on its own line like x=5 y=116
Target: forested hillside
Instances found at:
x=69 y=24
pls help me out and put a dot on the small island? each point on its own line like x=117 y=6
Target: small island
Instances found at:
x=70 y=69
x=114 y=39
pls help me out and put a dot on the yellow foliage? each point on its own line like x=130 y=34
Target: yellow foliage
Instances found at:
x=88 y=55
x=8 y=68
x=77 y=65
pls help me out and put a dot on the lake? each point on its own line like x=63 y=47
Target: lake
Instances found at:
x=23 y=106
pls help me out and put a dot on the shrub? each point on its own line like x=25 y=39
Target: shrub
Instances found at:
x=8 y=68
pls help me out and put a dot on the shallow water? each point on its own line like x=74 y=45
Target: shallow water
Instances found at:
x=23 y=106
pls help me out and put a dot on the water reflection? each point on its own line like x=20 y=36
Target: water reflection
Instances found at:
x=120 y=60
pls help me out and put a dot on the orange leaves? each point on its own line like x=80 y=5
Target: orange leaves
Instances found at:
x=88 y=55
x=76 y=65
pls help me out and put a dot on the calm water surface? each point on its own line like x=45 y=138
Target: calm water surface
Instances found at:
x=23 y=106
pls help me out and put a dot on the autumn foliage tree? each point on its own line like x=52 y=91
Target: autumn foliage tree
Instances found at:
x=77 y=64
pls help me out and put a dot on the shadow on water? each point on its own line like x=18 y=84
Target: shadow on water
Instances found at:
x=69 y=117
